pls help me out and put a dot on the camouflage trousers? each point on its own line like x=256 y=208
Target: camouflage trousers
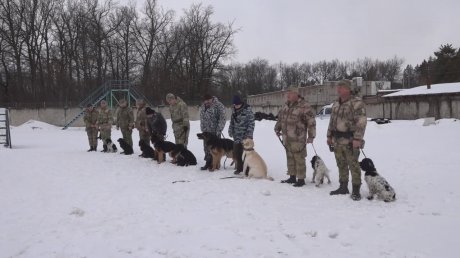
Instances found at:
x=92 y=136
x=347 y=161
x=106 y=134
x=181 y=136
x=144 y=136
x=296 y=162
x=127 y=135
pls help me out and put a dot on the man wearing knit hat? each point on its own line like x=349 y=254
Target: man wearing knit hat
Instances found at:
x=241 y=127
x=345 y=135
x=296 y=120
x=179 y=118
x=212 y=120
x=156 y=123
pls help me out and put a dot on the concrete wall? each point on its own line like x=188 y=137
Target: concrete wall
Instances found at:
x=60 y=117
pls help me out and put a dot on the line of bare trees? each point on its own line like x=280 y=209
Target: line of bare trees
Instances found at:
x=259 y=76
x=61 y=50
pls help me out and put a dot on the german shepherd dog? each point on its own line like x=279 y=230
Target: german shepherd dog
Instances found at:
x=161 y=147
x=217 y=147
x=182 y=156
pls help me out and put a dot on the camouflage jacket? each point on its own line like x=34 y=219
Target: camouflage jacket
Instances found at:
x=295 y=121
x=347 y=117
x=91 y=118
x=125 y=118
x=141 y=118
x=105 y=118
x=157 y=124
x=241 y=123
x=212 y=119
x=179 y=115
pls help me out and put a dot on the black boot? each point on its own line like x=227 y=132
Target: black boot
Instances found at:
x=299 y=183
x=207 y=165
x=343 y=189
x=290 y=180
x=104 y=148
x=90 y=149
x=355 y=195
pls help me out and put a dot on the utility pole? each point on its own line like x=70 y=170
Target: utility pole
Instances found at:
x=428 y=77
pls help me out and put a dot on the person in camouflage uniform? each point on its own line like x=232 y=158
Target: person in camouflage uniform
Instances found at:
x=141 y=121
x=241 y=127
x=212 y=120
x=345 y=136
x=125 y=121
x=90 y=118
x=296 y=120
x=104 y=122
x=179 y=118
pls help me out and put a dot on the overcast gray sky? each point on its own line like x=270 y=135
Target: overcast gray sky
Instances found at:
x=303 y=30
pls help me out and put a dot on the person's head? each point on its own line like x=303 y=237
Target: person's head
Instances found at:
x=344 y=89
x=140 y=103
x=103 y=104
x=89 y=107
x=292 y=94
x=149 y=112
x=207 y=100
x=171 y=99
x=237 y=102
x=123 y=103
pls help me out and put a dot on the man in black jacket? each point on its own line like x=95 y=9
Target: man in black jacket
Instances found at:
x=156 y=123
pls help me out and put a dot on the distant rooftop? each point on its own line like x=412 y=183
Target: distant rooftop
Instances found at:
x=442 y=88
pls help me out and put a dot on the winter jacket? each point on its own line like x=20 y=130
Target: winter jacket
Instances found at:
x=90 y=119
x=157 y=124
x=105 y=118
x=125 y=118
x=179 y=115
x=348 y=121
x=212 y=118
x=295 y=121
x=141 y=118
x=241 y=123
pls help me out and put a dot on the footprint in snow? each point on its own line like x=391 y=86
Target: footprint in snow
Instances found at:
x=77 y=212
x=311 y=233
x=333 y=235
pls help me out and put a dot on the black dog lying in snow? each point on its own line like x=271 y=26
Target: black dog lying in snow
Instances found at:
x=127 y=149
x=182 y=156
x=377 y=184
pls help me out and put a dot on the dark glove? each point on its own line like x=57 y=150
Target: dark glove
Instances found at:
x=185 y=128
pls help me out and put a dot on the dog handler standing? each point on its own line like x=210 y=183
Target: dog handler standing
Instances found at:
x=296 y=120
x=241 y=127
x=90 y=118
x=345 y=137
x=104 y=122
x=125 y=121
x=212 y=120
x=179 y=118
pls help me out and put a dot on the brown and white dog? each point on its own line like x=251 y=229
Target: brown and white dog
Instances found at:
x=253 y=164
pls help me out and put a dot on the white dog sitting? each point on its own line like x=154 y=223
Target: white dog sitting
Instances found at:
x=253 y=164
x=377 y=184
x=320 y=171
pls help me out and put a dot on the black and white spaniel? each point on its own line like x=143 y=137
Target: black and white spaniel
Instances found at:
x=377 y=184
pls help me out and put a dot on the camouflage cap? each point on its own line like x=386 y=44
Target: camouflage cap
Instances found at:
x=293 y=89
x=345 y=83
x=170 y=96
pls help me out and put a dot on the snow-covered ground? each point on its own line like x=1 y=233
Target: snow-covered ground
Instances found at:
x=58 y=200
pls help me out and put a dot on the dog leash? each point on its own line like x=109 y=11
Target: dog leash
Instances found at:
x=314 y=149
x=363 y=153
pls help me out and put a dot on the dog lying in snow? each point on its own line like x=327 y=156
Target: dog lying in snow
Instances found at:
x=377 y=184
x=111 y=147
x=320 y=171
x=253 y=165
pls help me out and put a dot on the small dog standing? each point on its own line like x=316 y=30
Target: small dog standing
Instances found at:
x=320 y=171
x=127 y=149
x=111 y=147
x=253 y=165
x=377 y=184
